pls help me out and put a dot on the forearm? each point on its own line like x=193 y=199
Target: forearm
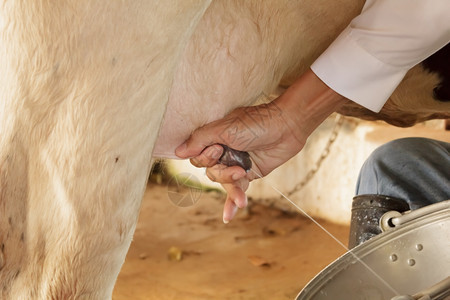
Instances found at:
x=371 y=56
x=307 y=103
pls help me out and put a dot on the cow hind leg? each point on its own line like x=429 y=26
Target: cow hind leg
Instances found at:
x=84 y=88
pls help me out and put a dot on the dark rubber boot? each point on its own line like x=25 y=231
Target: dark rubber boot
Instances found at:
x=366 y=213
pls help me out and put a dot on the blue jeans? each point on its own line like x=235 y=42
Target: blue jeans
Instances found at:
x=416 y=170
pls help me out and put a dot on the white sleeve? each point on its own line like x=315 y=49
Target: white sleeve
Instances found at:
x=372 y=55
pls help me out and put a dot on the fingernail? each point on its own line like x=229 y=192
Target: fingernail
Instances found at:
x=180 y=149
x=226 y=221
x=236 y=176
x=210 y=153
x=213 y=153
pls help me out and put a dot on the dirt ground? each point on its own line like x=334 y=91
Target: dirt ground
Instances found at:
x=263 y=254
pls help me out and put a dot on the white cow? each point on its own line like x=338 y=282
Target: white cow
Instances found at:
x=84 y=86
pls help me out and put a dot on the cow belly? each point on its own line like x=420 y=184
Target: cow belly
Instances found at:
x=241 y=51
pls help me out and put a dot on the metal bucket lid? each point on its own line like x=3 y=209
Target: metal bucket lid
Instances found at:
x=403 y=261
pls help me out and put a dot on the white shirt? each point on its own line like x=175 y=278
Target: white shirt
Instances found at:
x=372 y=55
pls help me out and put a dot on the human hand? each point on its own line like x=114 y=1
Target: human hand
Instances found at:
x=262 y=130
x=272 y=133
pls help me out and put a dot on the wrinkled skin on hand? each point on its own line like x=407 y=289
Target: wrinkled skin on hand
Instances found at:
x=271 y=133
x=268 y=147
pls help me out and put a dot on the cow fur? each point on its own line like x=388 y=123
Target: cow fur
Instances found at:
x=84 y=86
x=83 y=89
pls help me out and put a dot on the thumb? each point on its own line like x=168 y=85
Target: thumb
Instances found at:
x=196 y=143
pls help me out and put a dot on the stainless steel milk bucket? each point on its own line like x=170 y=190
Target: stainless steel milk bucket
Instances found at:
x=410 y=258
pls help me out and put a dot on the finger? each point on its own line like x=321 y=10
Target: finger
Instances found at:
x=236 y=198
x=208 y=157
x=202 y=137
x=223 y=174
x=236 y=192
x=229 y=210
x=212 y=133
